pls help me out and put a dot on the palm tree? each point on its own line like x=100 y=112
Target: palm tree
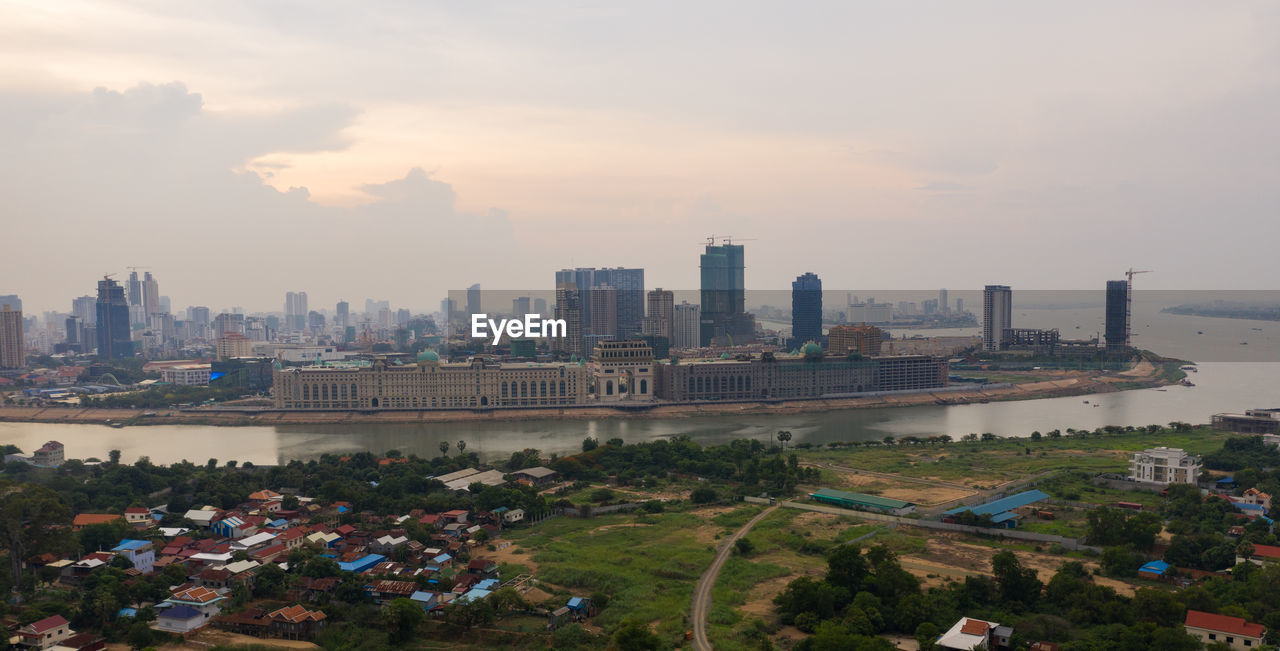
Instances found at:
x=783 y=437
x=444 y=448
x=462 y=445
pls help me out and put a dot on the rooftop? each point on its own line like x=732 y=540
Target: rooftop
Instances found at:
x=1224 y=623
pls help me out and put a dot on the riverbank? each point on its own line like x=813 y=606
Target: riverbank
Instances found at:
x=1066 y=383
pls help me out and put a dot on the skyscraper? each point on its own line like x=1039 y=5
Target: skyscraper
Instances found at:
x=997 y=315
x=85 y=309
x=12 y=301
x=1117 y=315
x=806 y=309
x=685 y=325
x=114 y=336
x=343 y=315
x=295 y=311
x=629 y=284
x=569 y=308
x=540 y=306
x=604 y=311
x=13 y=352
x=943 y=306
x=661 y=313
x=150 y=295
x=473 y=300
x=724 y=295
x=520 y=306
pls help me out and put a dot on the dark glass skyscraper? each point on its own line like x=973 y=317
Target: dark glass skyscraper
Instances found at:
x=629 y=285
x=724 y=295
x=1117 y=326
x=806 y=309
x=114 y=337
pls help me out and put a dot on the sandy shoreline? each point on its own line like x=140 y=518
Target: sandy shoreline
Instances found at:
x=1072 y=384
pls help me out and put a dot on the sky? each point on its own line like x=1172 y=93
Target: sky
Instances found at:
x=398 y=150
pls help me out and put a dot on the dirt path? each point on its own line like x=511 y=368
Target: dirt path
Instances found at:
x=702 y=593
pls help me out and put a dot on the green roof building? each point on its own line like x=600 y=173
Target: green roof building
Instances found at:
x=847 y=500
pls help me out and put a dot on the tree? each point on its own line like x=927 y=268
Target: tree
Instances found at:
x=634 y=635
x=926 y=635
x=270 y=581
x=783 y=437
x=113 y=457
x=703 y=495
x=847 y=568
x=743 y=545
x=444 y=448
x=100 y=537
x=1018 y=585
x=462 y=446
x=140 y=635
x=30 y=516
x=589 y=444
x=401 y=617
x=474 y=612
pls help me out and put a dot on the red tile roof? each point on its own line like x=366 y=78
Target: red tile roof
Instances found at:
x=197 y=595
x=1266 y=551
x=138 y=510
x=295 y=614
x=86 y=519
x=974 y=627
x=1224 y=623
x=47 y=624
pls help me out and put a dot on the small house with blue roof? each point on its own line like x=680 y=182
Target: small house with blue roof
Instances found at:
x=1155 y=570
x=139 y=552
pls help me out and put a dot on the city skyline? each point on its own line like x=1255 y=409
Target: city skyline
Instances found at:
x=234 y=151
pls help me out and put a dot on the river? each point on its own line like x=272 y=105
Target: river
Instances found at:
x=1223 y=383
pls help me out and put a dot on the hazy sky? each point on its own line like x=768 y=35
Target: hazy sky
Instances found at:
x=396 y=150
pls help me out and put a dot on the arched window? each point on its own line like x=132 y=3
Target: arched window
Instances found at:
x=504 y=389
x=542 y=389
x=562 y=385
x=524 y=389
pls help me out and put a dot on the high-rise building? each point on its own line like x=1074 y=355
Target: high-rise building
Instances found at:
x=943 y=306
x=295 y=311
x=114 y=333
x=686 y=324
x=806 y=309
x=135 y=288
x=1117 y=315
x=540 y=306
x=604 y=314
x=75 y=333
x=520 y=306
x=960 y=306
x=997 y=316
x=473 y=300
x=343 y=317
x=13 y=353
x=85 y=309
x=724 y=294
x=569 y=309
x=228 y=323
x=861 y=339
x=12 y=301
x=660 y=316
x=150 y=295
x=199 y=315
x=232 y=345
x=629 y=285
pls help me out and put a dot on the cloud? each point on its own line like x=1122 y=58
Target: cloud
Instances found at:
x=98 y=181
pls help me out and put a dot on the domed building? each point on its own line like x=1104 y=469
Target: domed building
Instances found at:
x=428 y=355
x=811 y=351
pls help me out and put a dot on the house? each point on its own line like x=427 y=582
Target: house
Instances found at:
x=1258 y=498
x=448 y=478
x=233 y=527
x=139 y=552
x=388 y=543
x=45 y=633
x=1164 y=465
x=261 y=539
x=362 y=564
x=559 y=617
x=1155 y=570
x=1232 y=631
x=50 y=455
x=295 y=622
x=76 y=573
x=291 y=538
x=384 y=591
x=214 y=579
x=267 y=554
x=325 y=540
x=83 y=520
x=203 y=600
x=483 y=567
x=1261 y=554
x=428 y=600
x=968 y=633
x=202 y=517
x=82 y=642
x=264 y=496
x=581 y=606
x=536 y=476
x=139 y=517
x=455 y=529
x=456 y=515
x=513 y=516
x=180 y=619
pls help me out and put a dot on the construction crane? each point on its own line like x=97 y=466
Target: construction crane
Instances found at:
x=726 y=239
x=1128 y=302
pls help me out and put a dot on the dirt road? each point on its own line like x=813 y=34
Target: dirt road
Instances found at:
x=702 y=593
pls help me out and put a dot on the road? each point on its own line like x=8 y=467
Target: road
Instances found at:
x=702 y=592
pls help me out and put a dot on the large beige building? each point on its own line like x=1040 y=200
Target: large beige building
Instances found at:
x=862 y=339
x=623 y=370
x=12 y=348
x=813 y=375
x=232 y=344
x=660 y=319
x=1164 y=465
x=430 y=384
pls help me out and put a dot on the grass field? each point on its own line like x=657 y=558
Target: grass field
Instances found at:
x=1005 y=459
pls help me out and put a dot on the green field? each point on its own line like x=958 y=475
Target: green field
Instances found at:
x=1006 y=459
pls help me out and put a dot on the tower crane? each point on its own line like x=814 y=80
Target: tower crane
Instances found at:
x=1128 y=301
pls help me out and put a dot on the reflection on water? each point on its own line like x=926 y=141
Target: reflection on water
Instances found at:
x=1219 y=387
